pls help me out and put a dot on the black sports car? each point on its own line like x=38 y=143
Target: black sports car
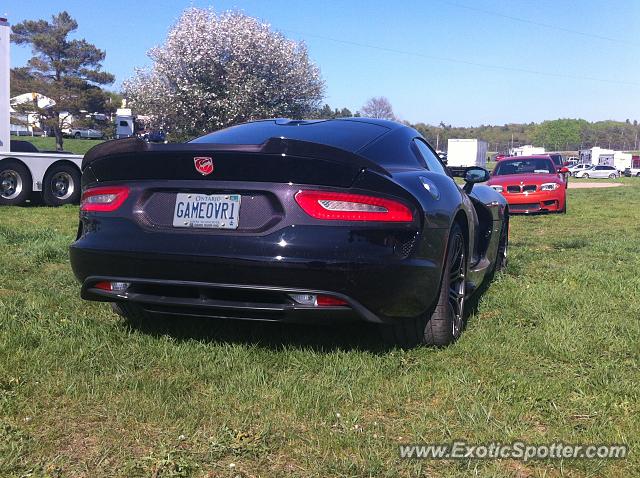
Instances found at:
x=289 y=220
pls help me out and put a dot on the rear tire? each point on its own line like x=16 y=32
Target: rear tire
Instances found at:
x=61 y=185
x=585 y=176
x=445 y=323
x=503 y=246
x=15 y=183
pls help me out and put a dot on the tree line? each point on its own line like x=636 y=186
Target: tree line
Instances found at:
x=556 y=135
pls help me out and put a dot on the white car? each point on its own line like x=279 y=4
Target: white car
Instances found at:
x=89 y=133
x=598 y=172
x=576 y=168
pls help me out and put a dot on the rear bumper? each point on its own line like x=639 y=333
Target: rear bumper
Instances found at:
x=224 y=301
x=249 y=277
x=540 y=201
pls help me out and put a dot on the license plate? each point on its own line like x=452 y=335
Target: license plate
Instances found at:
x=207 y=211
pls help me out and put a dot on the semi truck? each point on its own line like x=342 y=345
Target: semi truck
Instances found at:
x=463 y=153
x=24 y=171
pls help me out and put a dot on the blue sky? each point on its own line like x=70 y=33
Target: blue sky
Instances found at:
x=464 y=62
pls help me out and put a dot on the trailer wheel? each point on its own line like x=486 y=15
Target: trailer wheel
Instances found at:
x=15 y=183
x=61 y=185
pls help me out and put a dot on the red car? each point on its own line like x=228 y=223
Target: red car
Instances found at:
x=530 y=184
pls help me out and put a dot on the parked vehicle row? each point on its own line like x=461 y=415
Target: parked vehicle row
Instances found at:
x=152 y=136
x=608 y=166
x=309 y=202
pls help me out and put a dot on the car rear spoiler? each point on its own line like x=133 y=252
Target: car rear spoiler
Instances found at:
x=273 y=146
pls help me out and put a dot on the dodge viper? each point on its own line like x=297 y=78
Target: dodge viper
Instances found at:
x=531 y=184
x=289 y=220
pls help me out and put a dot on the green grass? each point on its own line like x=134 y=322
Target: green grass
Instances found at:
x=76 y=146
x=551 y=354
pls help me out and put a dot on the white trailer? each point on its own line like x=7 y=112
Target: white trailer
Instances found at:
x=605 y=160
x=463 y=153
x=592 y=155
x=622 y=161
x=24 y=170
x=526 y=150
x=125 y=123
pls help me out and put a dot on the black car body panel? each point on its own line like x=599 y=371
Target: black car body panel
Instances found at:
x=382 y=270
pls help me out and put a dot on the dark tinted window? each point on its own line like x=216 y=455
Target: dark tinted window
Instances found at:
x=343 y=134
x=124 y=123
x=432 y=161
x=557 y=159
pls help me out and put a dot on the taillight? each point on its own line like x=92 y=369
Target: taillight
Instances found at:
x=112 y=286
x=333 y=206
x=318 y=300
x=329 y=300
x=104 y=198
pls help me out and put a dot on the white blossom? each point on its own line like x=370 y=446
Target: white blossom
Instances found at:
x=215 y=70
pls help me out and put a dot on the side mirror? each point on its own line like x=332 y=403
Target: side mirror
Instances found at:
x=564 y=170
x=473 y=175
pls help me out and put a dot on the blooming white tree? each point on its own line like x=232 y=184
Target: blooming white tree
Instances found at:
x=215 y=70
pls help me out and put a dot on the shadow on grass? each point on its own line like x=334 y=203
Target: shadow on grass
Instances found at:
x=473 y=303
x=327 y=337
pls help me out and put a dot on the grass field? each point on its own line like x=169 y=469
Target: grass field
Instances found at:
x=551 y=354
x=76 y=146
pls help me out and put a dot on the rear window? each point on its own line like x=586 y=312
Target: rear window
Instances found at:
x=344 y=134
